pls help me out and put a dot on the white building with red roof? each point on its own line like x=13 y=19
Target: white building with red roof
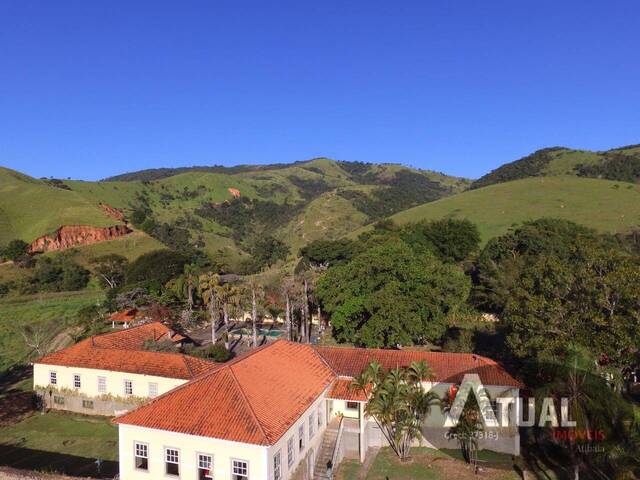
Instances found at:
x=112 y=373
x=284 y=409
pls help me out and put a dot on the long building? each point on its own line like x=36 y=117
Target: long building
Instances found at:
x=112 y=373
x=284 y=411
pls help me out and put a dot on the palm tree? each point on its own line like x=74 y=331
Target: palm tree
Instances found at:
x=208 y=285
x=288 y=291
x=254 y=292
x=231 y=298
x=398 y=402
x=191 y=279
x=589 y=398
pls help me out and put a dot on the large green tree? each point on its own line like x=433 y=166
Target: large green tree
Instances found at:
x=389 y=295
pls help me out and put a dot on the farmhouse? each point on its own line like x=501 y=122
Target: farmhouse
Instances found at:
x=284 y=411
x=112 y=373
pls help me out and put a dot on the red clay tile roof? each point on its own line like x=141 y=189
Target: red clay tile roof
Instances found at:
x=342 y=390
x=252 y=399
x=124 y=315
x=122 y=352
x=133 y=338
x=447 y=367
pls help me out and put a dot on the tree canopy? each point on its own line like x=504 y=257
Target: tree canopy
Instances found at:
x=389 y=295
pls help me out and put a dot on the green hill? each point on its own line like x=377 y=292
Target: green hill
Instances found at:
x=607 y=206
x=30 y=208
x=302 y=201
x=622 y=164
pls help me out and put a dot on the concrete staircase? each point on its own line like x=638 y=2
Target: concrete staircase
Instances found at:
x=325 y=453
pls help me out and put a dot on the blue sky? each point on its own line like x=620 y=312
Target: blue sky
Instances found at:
x=91 y=89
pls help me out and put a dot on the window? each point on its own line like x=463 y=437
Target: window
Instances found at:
x=319 y=417
x=352 y=405
x=172 y=461
x=141 y=456
x=53 y=378
x=76 y=380
x=239 y=470
x=276 y=466
x=290 y=452
x=102 y=384
x=153 y=389
x=128 y=387
x=312 y=422
x=58 y=400
x=301 y=437
x=87 y=404
x=205 y=467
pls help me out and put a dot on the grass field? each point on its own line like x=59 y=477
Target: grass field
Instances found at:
x=429 y=464
x=605 y=205
x=52 y=312
x=60 y=442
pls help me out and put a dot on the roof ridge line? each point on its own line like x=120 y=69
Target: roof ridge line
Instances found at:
x=244 y=395
x=319 y=355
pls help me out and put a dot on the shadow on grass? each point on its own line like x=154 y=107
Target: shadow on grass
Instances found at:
x=26 y=458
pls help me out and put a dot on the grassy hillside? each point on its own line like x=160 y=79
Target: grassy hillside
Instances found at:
x=622 y=164
x=605 y=205
x=30 y=208
x=52 y=313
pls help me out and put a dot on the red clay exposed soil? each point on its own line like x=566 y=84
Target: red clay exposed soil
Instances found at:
x=73 y=235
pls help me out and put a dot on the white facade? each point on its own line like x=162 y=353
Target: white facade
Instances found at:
x=94 y=383
x=259 y=459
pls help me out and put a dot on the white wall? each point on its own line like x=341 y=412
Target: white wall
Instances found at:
x=89 y=381
x=313 y=443
x=189 y=446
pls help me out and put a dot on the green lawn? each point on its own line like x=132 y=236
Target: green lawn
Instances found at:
x=60 y=442
x=430 y=464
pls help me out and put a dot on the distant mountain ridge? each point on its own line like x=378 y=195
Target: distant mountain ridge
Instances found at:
x=224 y=211
x=622 y=164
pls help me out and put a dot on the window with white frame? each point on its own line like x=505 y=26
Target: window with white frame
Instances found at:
x=53 y=377
x=128 y=387
x=312 y=423
x=353 y=405
x=153 y=389
x=320 y=417
x=205 y=466
x=291 y=452
x=102 y=384
x=239 y=470
x=76 y=380
x=172 y=461
x=277 y=466
x=141 y=453
x=301 y=437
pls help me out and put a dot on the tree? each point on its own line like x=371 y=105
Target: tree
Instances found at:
x=14 y=249
x=398 y=402
x=324 y=253
x=591 y=300
x=451 y=240
x=469 y=424
x=267 y=250
x=590 y=403
x=390 y=295
x=208 y=284
x=109 y=269
x=155 y=268
x=190 y=279
x=230 y=297
x=254 y=294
